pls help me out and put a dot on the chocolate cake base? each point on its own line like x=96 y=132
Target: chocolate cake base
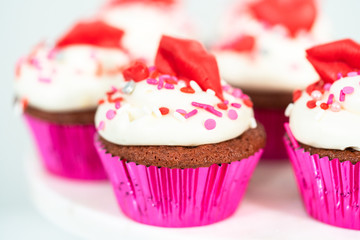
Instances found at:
x=206 y=155
x=269 y=100
x=343 y=155
x=81 y=117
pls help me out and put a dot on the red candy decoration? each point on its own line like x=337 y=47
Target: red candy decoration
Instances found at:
x=222 y=106
x=241 y=44
x=311 y=104
x=324 y=106
x=332 y=59
x=295 y=15
x=138 y=71
x=95 y=33
x=296 y=95
x=188 y=59
x=248 y=102
x=164 y=110
x=187 y=90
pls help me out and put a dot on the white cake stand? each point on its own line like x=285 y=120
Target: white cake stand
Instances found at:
x=271 y=209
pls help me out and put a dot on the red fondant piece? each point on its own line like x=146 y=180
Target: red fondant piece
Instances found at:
x=95 y=33
x=241 y=44
x=188 y=59
x=335 y=59
x=295 y=15
x=138 y=71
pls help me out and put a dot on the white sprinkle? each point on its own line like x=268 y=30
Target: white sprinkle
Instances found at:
x=157 y=112
x=318 y=103
x=181 y=84
x=195 y=86
x=179 y=117
x=211 y=92
x=253 y=123
x=289 y=109
x=320 y=115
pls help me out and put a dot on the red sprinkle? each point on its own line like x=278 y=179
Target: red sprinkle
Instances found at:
x=164 y=110
x=222 y=106
x=296 y=95
x=101 y=101
x=311 y=104
x=324 y=106
x=24 y=103
x=187 y=90
x=248 y=103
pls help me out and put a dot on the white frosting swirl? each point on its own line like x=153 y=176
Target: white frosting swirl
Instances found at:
x=277 y=62
x=329 y=129
x=144 y=24
x=73 y=78
x=139 y=122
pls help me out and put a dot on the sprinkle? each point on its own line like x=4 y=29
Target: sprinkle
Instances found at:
x=157 y=112
x=117 y=104
x=169 y=86
x=114 y=89
x=342 y=96
x=211 y=92
x=237 y=93
x=129 y=87
x=330 y=99
x=210 y=124
x=187 y=90
x=181 y=111
x=352 y=74
x=232 y=114
x=222 y=106
x=226 y=101
x=110 y=100
x=164 y=110
x=226 y=87
x=152 y=81
x=208 y=108
x=195 y=86
x=152 y=68
x=248 y=103
x=236 y=105
x=296 y=95
x=160 y=84
x=339 y=75
x=311 y=104
x=327 y=86
x=110 y=114
x=319 y=115
x=316 y=94
x=348 y=90
x=101 y=126
x=179 y=117
x=253 y=123
x=101 y=101
x=324 y=106
x=190 y=114
x=44 y=80
x=335 y=107
x=289 y=109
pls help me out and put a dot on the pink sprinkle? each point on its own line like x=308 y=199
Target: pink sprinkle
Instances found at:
x=330 y=99
x=226 y=87
x=236 y=105
x=169 y=86
x=348 y=90
x=113 y=88
x=110 y=114
x=35 y=62
x=335 y=107
x=237 y=93
x=160 y=84
x=190 y=114
x=101 y=125
x=327 y=86
x=45 y=80
x=210 y=124
x=52 y=54
x=342 y=96
x=232 y=114
x=117 y=105
x=181 y=111
x=339 y=75
x=152 y=81
x=208 y=108
x=226 y=102
x=352 y=74
x=152 y=68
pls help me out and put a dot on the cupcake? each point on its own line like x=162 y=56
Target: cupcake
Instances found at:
x=145 y=21
x=179 y=145
x=59 y=88
x=262 y=50
x=323 y=135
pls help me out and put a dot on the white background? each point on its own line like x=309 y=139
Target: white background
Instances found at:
x=23 y=23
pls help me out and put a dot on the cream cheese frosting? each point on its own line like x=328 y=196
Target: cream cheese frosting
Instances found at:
x=144 y=24
x=163 y=112
x=330 y=119
x=70 y=78
x=276 y=63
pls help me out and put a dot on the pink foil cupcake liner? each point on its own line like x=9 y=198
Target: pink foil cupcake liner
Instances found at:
x=329 y=189
x=273 y=121
x=178 y=197
x=67 y=150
